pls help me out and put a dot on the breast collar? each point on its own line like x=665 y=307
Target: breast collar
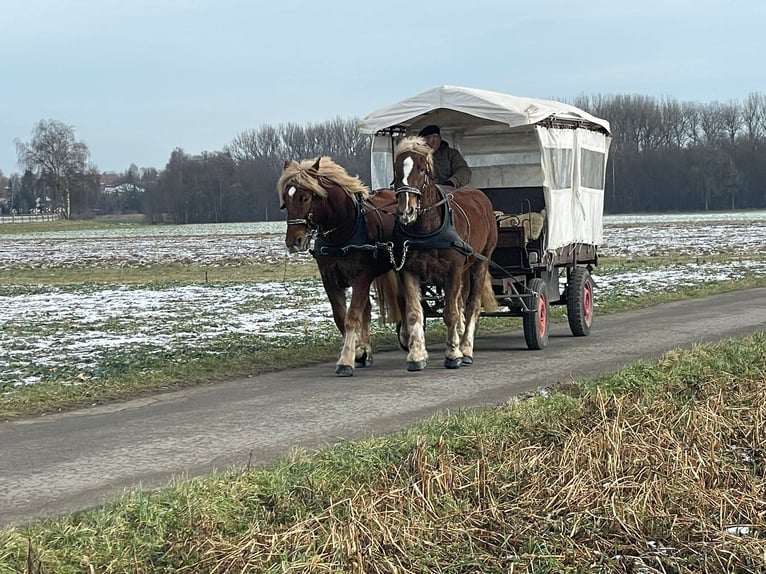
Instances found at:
x=445 y=237
x=358 y=239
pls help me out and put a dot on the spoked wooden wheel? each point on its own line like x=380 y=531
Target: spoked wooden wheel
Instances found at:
x=580 y=302
x=537 y=324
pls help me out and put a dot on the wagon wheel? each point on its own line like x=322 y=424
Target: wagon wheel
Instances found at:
x=432 y=299
x=580 y=302
x=537 y=323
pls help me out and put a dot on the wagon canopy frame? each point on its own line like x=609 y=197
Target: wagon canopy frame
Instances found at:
x=510 y=143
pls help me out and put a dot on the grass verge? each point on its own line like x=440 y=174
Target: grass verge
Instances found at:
x=159 y=275
x=109 y=222
x=658 y=468
x=242 y=356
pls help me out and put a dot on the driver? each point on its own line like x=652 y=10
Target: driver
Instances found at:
x=450 y=167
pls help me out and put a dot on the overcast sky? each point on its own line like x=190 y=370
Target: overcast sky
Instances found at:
x=138 y=78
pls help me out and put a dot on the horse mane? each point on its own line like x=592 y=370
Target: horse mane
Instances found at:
x=304 y=174
x=416 y=145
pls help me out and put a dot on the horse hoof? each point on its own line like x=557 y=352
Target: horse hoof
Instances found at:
x=416 y=365
x=364 y=361
x=344 y=371
x=453 y=363
x=467 y=360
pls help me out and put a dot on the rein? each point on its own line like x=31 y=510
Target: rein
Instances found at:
x=446 y=199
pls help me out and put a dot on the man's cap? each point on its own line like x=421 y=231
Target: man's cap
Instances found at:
x=429 y=130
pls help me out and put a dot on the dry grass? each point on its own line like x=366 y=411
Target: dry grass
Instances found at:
x=658 y=469
x=634 y=483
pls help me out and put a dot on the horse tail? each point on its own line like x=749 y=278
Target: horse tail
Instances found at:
x=488 y=301
x=387 y=293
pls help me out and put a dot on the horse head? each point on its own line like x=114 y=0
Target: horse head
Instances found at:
x=413 y=169
x=296 y=195
x=320 y=198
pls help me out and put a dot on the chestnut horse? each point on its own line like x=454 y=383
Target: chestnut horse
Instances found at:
x=445 y=238
x=351 y=226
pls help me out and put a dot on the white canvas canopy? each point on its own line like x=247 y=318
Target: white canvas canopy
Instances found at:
x=439 y=105
x=510 y=142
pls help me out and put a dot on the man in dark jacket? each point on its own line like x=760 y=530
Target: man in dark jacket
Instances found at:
x=449 y=165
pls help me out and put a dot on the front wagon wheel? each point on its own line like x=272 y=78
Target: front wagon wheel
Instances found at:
x=537 y=321
x=580 y=302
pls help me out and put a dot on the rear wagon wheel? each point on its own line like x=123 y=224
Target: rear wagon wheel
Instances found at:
x=537 y=325
x=580 y=302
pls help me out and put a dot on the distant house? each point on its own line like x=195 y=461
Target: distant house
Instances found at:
x=122 y=188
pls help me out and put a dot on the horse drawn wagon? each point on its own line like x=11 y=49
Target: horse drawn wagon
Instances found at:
x=542 y=164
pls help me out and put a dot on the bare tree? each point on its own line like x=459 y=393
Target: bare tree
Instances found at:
x=713 y=124
x=56 y=156
x=733 y=120
x=754 y=117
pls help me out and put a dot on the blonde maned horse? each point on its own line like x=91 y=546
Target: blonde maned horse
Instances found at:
x=349 y=227
x=446 y=238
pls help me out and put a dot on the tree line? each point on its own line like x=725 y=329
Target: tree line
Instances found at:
x=666 y=155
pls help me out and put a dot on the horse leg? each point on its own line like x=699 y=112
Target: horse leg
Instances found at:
x=403 y=333
x=417 y=358
x=363 y=354
x=360 y=301
x=453 y=358
x=472 y=310
x=337 y=298
x=461 y=305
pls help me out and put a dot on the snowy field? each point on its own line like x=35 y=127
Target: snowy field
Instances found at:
x=92 y=332
x=739 y=233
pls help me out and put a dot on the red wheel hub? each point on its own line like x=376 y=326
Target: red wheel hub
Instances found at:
x=542 y=318
x=587 y=302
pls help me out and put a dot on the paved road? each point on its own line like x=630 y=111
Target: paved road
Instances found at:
x=71 y=461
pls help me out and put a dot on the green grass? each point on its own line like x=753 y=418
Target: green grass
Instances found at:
x=139 y=374
x=160 y=275
x=109 y=222
x=587 y=479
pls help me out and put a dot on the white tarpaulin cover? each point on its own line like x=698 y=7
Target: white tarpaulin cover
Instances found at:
x=493 y=106
x=508 y=144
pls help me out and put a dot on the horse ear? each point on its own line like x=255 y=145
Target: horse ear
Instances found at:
x=313 y=171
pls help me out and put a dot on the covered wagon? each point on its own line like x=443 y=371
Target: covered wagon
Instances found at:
x=542 y=163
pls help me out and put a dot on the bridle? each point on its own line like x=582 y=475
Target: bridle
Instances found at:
x=312 y=228
x=408 y=189
x=418 y=193
x=307 y=221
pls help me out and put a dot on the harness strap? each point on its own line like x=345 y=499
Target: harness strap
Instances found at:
x=446 y=237
x=359 y=238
